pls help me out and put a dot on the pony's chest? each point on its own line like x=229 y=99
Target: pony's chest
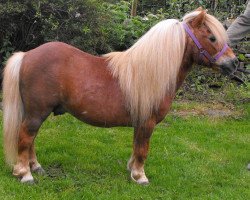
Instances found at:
x=164 y=108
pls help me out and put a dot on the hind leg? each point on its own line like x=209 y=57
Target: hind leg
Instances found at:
x=34 y=164
x=27 y=134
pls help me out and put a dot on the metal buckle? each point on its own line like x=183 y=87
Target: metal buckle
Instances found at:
x=213 y=60
x=202 y=51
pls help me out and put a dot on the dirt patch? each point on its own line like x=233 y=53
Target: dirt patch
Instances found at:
x=213 y=109
x=211 y=113
x=219 y=113
x=55 y=171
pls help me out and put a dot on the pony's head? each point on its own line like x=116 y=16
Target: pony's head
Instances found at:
x=212 y=49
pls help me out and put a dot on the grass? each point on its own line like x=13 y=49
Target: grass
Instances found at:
x=191 y=157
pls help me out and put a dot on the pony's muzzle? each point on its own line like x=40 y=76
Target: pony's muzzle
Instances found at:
x=229 y=67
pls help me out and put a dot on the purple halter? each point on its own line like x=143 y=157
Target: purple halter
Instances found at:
x=203 y=52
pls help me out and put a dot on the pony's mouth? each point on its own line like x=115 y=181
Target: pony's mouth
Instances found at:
x=229 y=67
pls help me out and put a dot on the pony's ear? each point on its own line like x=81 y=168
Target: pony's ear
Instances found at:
x=199 y=20
x=199 y=9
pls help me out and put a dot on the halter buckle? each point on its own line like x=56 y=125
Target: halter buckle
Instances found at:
x=202 y=51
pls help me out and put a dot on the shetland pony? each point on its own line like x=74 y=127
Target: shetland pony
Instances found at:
x=131 y=88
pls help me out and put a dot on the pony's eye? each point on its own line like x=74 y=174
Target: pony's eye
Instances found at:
x=212 y=39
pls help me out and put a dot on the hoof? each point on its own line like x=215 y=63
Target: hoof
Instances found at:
x=29 y=182
x=140 y=179
x=39 y=171
x=27 y=179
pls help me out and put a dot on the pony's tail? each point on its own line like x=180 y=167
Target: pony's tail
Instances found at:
x=12 y=107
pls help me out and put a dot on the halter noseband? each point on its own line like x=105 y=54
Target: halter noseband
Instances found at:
x=203 y=52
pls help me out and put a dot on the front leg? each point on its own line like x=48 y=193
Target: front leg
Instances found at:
x=142 y=136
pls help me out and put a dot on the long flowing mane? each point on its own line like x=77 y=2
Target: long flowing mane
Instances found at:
x=148 y=70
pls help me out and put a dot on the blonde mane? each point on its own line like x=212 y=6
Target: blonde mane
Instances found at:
x=148 y=71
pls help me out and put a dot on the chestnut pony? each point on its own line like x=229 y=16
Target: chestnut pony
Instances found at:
x=131 y=88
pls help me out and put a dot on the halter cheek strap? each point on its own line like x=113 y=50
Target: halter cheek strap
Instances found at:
x=203 y=52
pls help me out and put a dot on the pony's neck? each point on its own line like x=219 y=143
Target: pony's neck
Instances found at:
x=186 y=65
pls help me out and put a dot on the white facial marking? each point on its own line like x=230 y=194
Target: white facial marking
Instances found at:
x=224 y=59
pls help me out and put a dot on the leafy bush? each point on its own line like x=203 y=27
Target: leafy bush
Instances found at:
x=122 y=30
x=28 y=24
x=94 y=26
x=222 y=9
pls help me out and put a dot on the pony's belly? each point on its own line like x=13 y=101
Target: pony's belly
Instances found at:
x=102 y=115
x=104 y=120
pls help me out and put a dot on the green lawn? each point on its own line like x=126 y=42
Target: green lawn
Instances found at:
x=191 y=157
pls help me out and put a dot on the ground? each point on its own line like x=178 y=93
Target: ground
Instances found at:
x=200 y=151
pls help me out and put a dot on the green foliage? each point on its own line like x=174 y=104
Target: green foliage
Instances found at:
x=204 y=84
x=241 y=57
x=92 y=26
x=74 y=22
x=122 y=31
x=222 y=9
x=237 y=94
x=28 y=24
x=6 y=49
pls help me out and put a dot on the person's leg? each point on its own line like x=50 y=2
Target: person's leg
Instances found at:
x=240 y=27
